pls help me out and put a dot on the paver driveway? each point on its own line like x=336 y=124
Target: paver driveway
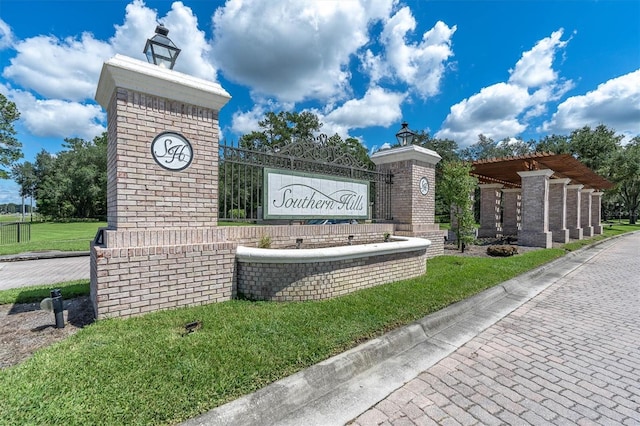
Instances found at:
x=571 y=355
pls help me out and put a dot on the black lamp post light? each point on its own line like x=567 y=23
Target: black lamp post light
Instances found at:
x=160 y=50
x=405 y=135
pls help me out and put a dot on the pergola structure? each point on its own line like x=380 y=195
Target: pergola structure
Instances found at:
x=539 y=197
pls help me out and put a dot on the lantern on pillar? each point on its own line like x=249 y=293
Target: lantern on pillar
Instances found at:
x=405 y=135
x=160 y=50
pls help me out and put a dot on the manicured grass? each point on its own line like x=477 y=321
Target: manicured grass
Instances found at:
x=37 y=293
x=72 y=236
x=145 y=370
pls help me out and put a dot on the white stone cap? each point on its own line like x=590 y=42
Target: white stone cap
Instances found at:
x=404 y=153
x=597 y=194
x=544 y=172
x=577 y=186
x=128 y=73
x=330 y=254
x=588 y=190
x=564 y=181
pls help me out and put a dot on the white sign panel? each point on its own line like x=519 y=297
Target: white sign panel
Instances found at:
x=291 y=195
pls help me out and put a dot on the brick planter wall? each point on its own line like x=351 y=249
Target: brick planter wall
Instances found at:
x=324 y=280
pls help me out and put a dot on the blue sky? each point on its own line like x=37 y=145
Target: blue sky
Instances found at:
x=456 y=68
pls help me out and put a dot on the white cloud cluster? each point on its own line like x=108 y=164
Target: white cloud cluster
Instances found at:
x=293 y=50
x=615 y=103
x=420 y=65
x=501 y=110
x=53 y=80
x=302 y=51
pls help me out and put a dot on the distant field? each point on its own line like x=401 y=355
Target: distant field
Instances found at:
x=73 y=236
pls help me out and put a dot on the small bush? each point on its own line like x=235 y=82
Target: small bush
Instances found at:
x=265 y=242
x=502 y=251
x=237 y=214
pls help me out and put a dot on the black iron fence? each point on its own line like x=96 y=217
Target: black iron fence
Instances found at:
x=15 y=232
x=241 y=175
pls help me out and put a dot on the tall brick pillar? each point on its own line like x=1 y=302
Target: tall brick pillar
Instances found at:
x=490 y=204
x=413 y=192
x=160 y=249
x=558 y=210
x=511 y=210
x=596 y=212
x=585 y=212
x=573 y=211
x=535 y=209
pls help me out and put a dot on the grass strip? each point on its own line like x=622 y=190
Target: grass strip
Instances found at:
x=31 y=294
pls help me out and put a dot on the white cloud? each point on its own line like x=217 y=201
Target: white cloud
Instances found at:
x=378 y=107
x=615 y=103
x=58 y=118
x=535 y=67
x=53 y=80
x=420 y=65
x=293 y=50
x=502 y=110
x=6 y=35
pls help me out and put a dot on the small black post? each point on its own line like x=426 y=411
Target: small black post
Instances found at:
x=58 y=310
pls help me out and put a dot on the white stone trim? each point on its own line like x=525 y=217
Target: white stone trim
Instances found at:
x=128 y=73
x=560 y=181
x=587 y=191
x=576 y=187
x=544 y=172
x=404 y=153
x=330 y=254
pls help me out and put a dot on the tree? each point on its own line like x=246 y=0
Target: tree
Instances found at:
x=457 y=185
x=626 y=175
x=595 y=147
x=24 y=175
x=556 y=144
x=73 y=183
x=9 y=146
x=278 y=129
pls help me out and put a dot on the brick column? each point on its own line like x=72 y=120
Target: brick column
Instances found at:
x=558 y=210
x=413 y=192
x=535 y=209
x=490 y=201
x=511 y=211
x=573 y=211
x=160 y=249
x=585 y=212
x=596 y=212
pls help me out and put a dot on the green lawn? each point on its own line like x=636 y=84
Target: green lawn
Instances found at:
x=145 y=371
x=73 y=236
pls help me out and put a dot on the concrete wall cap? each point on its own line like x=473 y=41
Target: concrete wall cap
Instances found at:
x=563 y=181
x=544 y=172
x=404 y=153
x=128 y=73
x=330 y=254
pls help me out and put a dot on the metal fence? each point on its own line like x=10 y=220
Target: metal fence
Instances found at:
x=15 y=232
x=241 y=175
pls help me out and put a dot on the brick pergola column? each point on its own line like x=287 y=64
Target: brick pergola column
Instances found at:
x=535 y=209
x=511 y=210
x=573 y=211
x=596 y=212
x=558 y=210
x=490 y=201
x=413 y=200
x=585 y=212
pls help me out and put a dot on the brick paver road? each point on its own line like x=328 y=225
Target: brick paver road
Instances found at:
x=569 y=356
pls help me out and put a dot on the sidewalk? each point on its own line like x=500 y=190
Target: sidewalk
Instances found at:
x=28 y=269
x=491 y=359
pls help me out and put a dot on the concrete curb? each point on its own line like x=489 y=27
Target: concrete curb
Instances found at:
x=335 y=391
x=42 y=255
